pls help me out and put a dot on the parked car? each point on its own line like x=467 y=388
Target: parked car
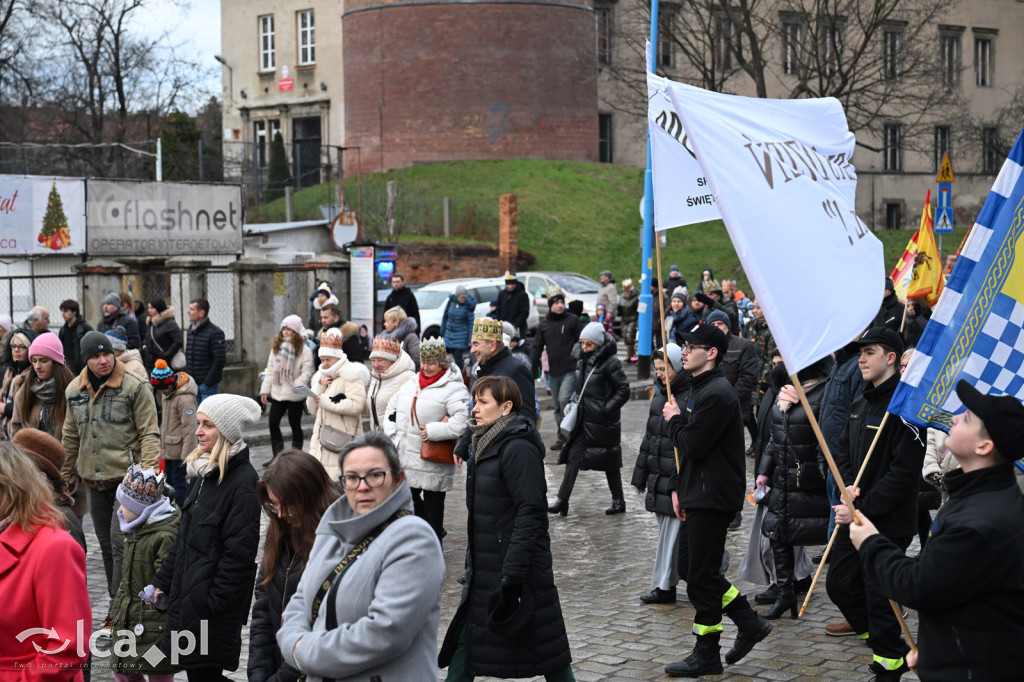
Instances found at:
x=432 y=299
x=574 y=285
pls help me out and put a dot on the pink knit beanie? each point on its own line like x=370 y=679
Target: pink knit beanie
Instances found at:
x=49 y=346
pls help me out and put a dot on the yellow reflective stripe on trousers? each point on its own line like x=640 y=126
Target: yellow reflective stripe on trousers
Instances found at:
x=699 y=629
x=864 y=635
x=888 y=663
x=729 y=595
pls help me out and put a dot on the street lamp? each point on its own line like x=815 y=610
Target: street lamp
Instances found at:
x=231 y=77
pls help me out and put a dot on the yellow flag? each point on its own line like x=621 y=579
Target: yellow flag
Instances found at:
x=926 y=281
x=904 y=268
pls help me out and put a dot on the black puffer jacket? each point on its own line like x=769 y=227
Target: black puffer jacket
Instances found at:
x=163 y=338
x=515 y=307
x=597 y=439
x=131 y=328
x=798 y=508
x=71 y=340
x=508 y=536
x=656 y=464
x=710 y=442
x=205 y=353
x=558 y=333
x=264 y=656
x=210 y=572
x=741 y=368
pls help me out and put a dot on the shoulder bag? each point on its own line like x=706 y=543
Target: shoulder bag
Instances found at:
x=177 y=362
x=333 y=439
x=331 y=582
x=440 y=451
x=571 y=410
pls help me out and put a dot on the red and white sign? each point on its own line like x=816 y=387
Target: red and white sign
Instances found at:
x=284 y=85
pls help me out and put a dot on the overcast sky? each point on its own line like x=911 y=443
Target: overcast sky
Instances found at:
x=197 y=29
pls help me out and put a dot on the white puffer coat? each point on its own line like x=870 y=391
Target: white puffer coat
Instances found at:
x=383 y=386
x=302 y=370
x=345 y=415
x=447 y=397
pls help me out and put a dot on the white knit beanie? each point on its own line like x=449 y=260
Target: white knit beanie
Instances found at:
x=229 y=413
x=593 y=332
x=293 y=322
x=674 y=354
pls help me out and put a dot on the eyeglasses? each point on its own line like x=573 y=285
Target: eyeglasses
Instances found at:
x=18 y=347
x=690 y=347
x=374 y=479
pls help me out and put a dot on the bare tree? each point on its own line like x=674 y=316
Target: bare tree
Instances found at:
x=878 y=57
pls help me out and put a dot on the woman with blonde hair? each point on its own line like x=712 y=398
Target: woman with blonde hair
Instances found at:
x=398 y=325
x=37 y=598
x=206 y=581
x=290 y=364
x=340 y=388
x=392 y=367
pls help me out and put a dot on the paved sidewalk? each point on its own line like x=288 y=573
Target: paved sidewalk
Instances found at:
x=602 y=566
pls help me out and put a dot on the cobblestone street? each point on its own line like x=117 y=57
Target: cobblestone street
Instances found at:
x=602 y=566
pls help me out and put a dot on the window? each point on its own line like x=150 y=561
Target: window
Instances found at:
x=666 y=51
x=990 y=155
x=307 y=44
x=983 y=66
x=721 y=56
x=950 y=59
x=943 y=145
x=603 y=15
x=891 y=50
x=791 y=37
x=893 y=215
x=262 y=138
x=604 y=138
x=266 y=23
x=892 y=155
x=830 y=49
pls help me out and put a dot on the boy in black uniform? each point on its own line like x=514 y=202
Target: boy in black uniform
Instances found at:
x=968 y=582
x=887 y=493
x=708 y=493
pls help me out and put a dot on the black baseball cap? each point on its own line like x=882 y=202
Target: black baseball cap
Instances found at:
x=707 y=335
x=882 y=335
x=1003 y=416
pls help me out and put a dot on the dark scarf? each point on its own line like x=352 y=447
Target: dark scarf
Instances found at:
x=484 y=434
x=95 y=381
x=109 y=319
x=45 y=392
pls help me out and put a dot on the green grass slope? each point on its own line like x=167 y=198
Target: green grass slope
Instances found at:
x=582 y=217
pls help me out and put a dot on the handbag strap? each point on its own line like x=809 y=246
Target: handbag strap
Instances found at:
x=333 y=579
x=412 y=412
x=586 y=380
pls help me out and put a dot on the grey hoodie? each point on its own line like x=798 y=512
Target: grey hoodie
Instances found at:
x=389 y=600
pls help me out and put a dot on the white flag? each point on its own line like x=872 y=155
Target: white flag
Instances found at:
x=782 y=175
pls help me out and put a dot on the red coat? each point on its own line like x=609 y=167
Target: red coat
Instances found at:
x=42 y=580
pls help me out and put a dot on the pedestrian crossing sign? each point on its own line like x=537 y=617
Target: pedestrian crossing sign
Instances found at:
x=944 y=221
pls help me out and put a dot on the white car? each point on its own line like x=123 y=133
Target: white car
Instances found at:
x=573 y=285
x=432 y=299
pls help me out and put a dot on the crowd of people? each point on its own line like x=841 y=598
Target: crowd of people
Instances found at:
x=126 y=422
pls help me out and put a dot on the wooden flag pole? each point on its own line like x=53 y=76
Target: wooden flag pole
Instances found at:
x=847 y=500
x=835 y=531
x=664 y=339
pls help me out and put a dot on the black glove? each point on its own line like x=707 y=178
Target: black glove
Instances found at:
x=337 y=398
x=704 y=298
x=286 y=673
x=937 y=480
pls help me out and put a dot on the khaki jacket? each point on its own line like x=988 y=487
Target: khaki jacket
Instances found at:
x=108 y=431
x=178 y=432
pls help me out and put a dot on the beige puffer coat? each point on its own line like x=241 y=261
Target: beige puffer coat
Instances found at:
x=344 y=415
x=383 y=386
x=302 y=370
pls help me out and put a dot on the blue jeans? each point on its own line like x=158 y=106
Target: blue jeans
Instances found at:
x=206 y=391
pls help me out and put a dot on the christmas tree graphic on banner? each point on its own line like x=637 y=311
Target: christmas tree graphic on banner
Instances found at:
x=54 y=234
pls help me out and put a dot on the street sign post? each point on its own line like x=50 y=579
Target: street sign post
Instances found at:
x=944 y=207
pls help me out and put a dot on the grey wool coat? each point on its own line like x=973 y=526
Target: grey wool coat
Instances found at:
x=389 y=600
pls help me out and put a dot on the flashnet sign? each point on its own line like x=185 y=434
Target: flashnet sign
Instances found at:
x=163 y=218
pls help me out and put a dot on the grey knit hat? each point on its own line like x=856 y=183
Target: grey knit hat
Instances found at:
x=675 y=356
x=95 y=342
x=112 y=299
x=229 y=413
x=719 y=316
x=593 y=332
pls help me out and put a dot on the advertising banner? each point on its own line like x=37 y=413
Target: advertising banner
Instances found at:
x=163 y=218
x=41 y=216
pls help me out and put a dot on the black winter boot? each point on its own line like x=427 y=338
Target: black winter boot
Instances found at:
x=705 y=659
x=559 y=506
x=752 y=629
x=618 y=507
x=786 y=598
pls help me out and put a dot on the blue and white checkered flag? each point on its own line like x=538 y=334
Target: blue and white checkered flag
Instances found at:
x=976 y=332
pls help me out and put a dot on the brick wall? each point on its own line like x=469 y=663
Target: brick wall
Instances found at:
x=443 y=82
x=425 y=262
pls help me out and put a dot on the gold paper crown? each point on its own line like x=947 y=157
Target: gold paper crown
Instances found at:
x=433 y=350
x=144 y=486
x=331 y=339
x=487 y=329
x=383 y=344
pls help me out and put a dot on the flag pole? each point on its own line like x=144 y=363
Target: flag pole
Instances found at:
x=847 y=500
x=835 y=531
x=644 y=327
x=664 y=339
